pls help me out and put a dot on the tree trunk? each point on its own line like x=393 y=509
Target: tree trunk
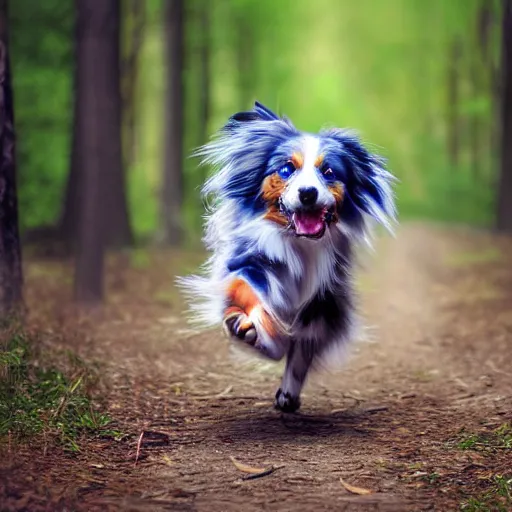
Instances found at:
x=504 y=213
x=204 y=18
x=453 y=128
x=69 y=215
x=98 y=141
x=204 y=73
x=117 y=230
x=475 y=120
x=485 y=26
x=134 y=19
x=489 y=25
x=10 y=253
x=173 y=185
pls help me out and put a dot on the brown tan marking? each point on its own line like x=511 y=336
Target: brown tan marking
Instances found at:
x=243 y=300
x=297 y=160
x=338 y=192
x=241 y=295
x=319 y=161
x=272 y=188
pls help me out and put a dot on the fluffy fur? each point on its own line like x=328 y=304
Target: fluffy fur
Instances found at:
x=287 y=209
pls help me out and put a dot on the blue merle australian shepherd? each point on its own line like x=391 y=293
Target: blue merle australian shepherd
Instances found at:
x=288 y=208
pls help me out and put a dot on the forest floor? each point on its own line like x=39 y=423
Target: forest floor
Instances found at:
x=420 y=414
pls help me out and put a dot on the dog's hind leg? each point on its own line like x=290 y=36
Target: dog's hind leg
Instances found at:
x=298 y=362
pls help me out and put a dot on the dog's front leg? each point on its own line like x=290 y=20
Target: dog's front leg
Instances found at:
x=246 y=320
x=298 y=362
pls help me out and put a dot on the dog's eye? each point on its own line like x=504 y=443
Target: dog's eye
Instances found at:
x=328 y=173
x=287 y=170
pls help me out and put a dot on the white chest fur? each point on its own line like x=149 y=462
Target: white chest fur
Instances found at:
x=318 y=266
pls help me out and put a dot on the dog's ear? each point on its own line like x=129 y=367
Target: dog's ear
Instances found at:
x=264 y=112
x=241 y=151
x=258 y=113
x=367 y=182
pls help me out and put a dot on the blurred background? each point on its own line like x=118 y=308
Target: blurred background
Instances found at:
x=420 y=81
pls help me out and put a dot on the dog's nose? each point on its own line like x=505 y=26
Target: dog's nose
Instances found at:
x=308 y=196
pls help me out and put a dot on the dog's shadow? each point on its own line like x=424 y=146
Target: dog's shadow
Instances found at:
x=300 y=427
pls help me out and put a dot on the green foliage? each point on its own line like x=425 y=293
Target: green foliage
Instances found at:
x=432 y=478
x=379 y=66
x=464 y=259
x=497 y=499
x=36 y=398
x=41 y=55
x=498 y=439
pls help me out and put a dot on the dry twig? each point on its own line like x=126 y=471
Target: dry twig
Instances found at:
x=139 y=443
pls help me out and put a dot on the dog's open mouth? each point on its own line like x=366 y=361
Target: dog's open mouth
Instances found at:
x=310 y=223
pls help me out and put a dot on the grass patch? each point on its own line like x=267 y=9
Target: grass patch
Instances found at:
x=462 y=259
x=432 y=477
x=498 y=439
x=38 y=398
x=497 y=499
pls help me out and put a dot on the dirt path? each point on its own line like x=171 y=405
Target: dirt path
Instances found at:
x=435 y=359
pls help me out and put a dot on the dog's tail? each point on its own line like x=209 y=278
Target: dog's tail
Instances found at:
x=204 y=298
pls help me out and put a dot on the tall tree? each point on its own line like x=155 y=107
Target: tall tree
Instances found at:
x=488 y=26
x=10 y=253
x=97 y=140
x=173 y=183
x=483 y=75
x=476 y=115
x=204 y=56
x=134 y=12
x=204 y=21
x=117 y=230
x=504 y=213
x=453 y=125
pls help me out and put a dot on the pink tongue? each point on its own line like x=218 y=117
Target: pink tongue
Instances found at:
x=308 y=223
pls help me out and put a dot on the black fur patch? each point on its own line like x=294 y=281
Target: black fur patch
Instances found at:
x=306 y=351
x=332 y=310
x=244 y=117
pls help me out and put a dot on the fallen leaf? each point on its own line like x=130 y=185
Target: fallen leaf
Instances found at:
x=355 y=490
x=267 y=472
x=167 y=460
x=247 y=469
x=218 y=395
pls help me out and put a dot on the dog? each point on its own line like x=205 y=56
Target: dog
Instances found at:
x=289 y=209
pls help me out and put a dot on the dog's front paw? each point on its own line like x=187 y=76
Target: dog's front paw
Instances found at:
x=286 y=402
x=238 y=325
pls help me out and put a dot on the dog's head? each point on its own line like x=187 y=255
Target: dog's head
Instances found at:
x=303 y=182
